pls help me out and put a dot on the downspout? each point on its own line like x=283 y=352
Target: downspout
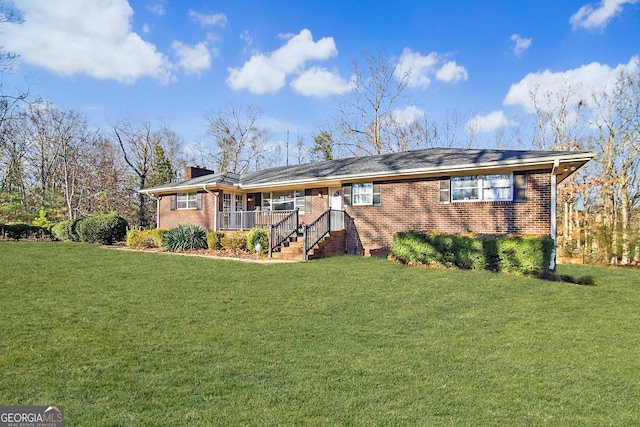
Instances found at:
x=554 y=193
x=216 y=194
x=157 y=199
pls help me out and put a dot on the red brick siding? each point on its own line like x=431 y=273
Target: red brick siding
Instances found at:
x=318 y=205
x=172 y=218
x=414 y=205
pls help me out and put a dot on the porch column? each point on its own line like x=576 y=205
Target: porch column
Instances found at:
x=216 y=195
x=553 y=232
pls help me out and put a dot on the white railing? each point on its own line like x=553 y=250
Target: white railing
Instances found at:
x=246 y=220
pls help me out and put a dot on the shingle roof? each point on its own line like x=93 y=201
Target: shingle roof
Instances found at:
x=383 y=165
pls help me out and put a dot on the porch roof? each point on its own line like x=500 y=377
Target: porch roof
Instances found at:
x=434 y=161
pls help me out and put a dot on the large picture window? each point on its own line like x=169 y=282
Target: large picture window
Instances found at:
x=497 y=187
x=285 y=200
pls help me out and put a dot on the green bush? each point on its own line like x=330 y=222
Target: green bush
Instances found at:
x=185 y=237
x=18 y=230
x=66 y=231
x=214 y=239
x=524 y=255
x=102 y=228
x=140 y=239
x=157 y=234
x=236 y=241
x=519 y=255
x=258 y=235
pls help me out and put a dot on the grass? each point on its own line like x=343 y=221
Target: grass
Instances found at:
x=127 y=338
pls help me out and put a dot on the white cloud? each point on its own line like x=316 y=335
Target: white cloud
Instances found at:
x=489 y=123
x=158 y=8
x=218 y=19
x=264 y=73
x=452 y=73
x=422 y=68
x=417 y=66
x=597 y=17
x=318 y=81
x=521 y=44
x=193 y=59
x=407 y=115
x=576 y=85
x=78 y=37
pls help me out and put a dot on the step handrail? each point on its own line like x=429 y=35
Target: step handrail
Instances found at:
x=314 y=232
x=282 y=230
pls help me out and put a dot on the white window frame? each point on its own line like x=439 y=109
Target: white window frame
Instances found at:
x=187 y=201
x=362 y=194
x=484 y=188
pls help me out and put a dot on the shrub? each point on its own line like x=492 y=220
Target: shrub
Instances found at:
x=66 y=231
x=524 y=255
x=18 y=230
x=140 y=239
x=214 y=239
x=258 y=235
x=102 y=228
x=185 y=237
x=236 y=241
x=520 y=255
x=157 y=234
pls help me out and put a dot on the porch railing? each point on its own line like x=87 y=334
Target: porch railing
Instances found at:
x=246 y=220
x=280 y=231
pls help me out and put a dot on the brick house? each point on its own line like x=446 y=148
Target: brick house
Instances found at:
x=366 y=200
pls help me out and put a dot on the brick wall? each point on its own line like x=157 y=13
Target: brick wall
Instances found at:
x=414 y=206
x=172 y=218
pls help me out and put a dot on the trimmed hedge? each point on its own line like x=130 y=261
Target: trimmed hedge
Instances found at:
x=518 y=255
x=235 y=241
x=66 y=231
x=21 y=230
x=140 y=239
x=102 y=228
x=214 y=239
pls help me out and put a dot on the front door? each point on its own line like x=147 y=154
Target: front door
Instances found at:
x=335 y=203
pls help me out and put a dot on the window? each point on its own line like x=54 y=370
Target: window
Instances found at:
x=497 y=187
x=362 y=194
x=188 y=201
x=226 y=202
x=238 y=205
x=365 y=194
x=285 y=200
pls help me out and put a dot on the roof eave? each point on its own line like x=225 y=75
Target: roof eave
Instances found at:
x=408 y=173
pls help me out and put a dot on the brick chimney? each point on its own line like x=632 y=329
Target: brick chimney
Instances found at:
x=196 y=171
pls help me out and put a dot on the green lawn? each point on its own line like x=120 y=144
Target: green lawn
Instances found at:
x=127 y=338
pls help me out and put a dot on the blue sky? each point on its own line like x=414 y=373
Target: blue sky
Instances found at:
x=174 y=61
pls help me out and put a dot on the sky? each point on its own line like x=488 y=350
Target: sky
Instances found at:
x=175 y=61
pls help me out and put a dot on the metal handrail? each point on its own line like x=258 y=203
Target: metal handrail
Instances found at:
x=314 y=232
x=282 y=230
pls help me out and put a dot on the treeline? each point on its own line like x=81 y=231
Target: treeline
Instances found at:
x=55 y=165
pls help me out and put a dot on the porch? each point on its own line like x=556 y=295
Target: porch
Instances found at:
x=286 y=231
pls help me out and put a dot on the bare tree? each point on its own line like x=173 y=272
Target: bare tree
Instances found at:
x=139 y=144
x=240 y=141
x=366 y=113
x=618 y=141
